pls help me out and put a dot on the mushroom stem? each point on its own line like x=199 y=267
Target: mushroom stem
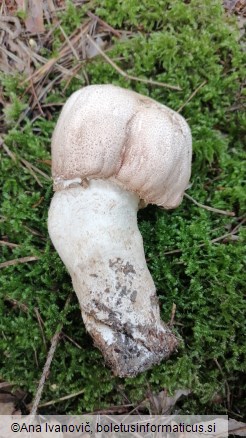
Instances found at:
x=95 y=232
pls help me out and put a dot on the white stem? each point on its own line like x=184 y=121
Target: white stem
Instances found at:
x=95 y=232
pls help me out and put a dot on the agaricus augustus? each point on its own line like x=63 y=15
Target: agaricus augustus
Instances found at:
x=112 y=151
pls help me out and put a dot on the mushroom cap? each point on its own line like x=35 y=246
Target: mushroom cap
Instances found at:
x=108 y=132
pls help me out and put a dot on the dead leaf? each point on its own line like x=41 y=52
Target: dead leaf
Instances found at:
x=48 y=162
x=237 y=427
x=7 y=404
x=91 y=50
x=230 y=4
x=11 y=25
x=161 y=403
x=34 y=22
x=7 y=408
x=20 y=4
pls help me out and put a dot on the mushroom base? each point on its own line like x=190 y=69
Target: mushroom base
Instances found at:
x=95 y=232
x=129 y=354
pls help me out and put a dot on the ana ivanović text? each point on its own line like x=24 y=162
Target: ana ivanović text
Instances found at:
x=112 y=427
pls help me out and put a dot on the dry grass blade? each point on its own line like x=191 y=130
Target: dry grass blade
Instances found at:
x=51 y=353
x=5 y=385
x=215 y=240
x=36 y=100
x=30 y=165
x=69 y=43
x=34 y=21
x=174 y=307
x=126 y=75
x=6 y=27
x=19 y=63
x=54 y=343
x=228 y=393
x=72 y=341
x=40 y=323
x=66 y=397
x=15 y=303
x=207 y=207
x=44 y=90
x=32 y=169
x=65 y=51
x=33 y=174
x=18 y=261
x=174 y=251
x=191 y=96
x=104 y=24
x=9 y=244
x=7 y=150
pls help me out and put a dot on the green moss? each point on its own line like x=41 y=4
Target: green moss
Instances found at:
x=181 y=43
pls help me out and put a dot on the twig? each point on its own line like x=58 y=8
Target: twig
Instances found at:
x=54 y=343
x=112 y=410
x=45 y=372
x=191 y=96
x=32 y=169
x=47 y=105
x=216 y=239
x=5 y=385
x=74 y=71
x=71 y=340
x=30 y=165
x=25 y=309
x=173 y=314
x=103 y=23
x=206 y=207
x=126 y=75
x=27 y=165
x=7 y=150
x=45 y=69
x=228 y=393
x=40 y=323
x=45 y=90
x=58 y=400
x=18 y=261
x=69 y=43
x=9 y=244
x=239 y=225
x=13 y=57
x=38 y=202
x=7 y=28
x=53 y=62
x=174 y=251
x=37 y=100
x=34 y=232
x=15 y=302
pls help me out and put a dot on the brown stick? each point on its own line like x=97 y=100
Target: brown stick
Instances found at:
x=9 y=244
x=66 y=397
x=54 y=343
x=18 y=261
x=126 y=75
x=206 y=207
x=191 y=96
x=216 y=239
x=103 y=23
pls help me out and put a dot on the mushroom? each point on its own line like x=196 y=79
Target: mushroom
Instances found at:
x=114 y=150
